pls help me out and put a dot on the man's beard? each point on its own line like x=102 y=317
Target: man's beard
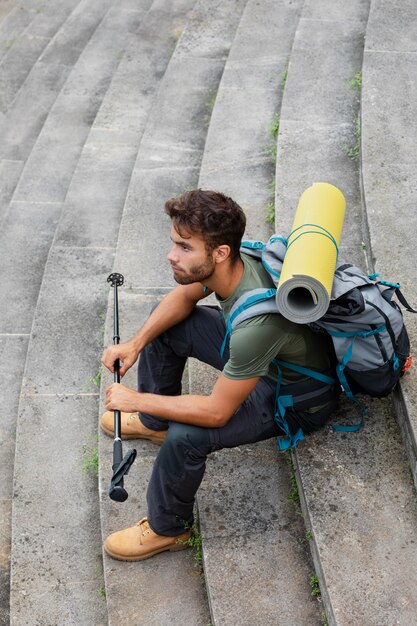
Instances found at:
x=196 y=274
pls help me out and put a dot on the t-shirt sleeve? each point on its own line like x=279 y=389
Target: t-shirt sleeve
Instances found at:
x=252 y=348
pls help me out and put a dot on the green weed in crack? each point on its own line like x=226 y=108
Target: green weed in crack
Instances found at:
x=353 y=152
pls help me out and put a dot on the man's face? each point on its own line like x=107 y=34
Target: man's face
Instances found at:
x=189 y=259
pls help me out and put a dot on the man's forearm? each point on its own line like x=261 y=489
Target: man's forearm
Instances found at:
x=175 y=307
x=187 y=409
x=202 y=411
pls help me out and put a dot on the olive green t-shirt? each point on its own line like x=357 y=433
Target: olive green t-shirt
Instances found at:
x=254 y=343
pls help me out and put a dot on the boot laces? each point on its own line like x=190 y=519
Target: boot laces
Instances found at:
x=144 y=526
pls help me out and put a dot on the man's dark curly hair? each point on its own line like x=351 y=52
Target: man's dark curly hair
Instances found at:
x=214 y=216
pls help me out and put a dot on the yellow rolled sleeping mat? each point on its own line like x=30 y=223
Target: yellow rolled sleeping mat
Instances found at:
x=306 y=280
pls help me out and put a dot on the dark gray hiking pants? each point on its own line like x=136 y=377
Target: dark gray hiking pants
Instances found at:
x=179 y=467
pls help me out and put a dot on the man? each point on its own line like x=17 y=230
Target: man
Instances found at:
x=206 y=232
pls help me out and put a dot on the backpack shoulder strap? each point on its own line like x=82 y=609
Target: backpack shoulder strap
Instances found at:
x=252 y=248
x=250 y=304
x=271 y=254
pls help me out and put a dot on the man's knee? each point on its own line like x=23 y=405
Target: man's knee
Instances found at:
x=185 y=437
x=184 y=443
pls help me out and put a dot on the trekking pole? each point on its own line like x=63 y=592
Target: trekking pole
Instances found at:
x=121 y=466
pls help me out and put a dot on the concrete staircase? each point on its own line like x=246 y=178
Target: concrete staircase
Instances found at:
x=106 y=110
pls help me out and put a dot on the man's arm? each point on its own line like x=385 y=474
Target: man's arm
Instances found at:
x=211 y=411
x=173 y=309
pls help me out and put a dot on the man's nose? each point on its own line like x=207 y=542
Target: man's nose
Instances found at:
x=171 y=255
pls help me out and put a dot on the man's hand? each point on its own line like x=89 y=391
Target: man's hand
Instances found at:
x=126 y=352
x=121 y=398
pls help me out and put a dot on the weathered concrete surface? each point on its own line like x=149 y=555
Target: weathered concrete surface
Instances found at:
x=10 y=171
x=256 y=560
x=27 y=231
x=75 y=277
x=56 y=577
x=388 y=166
x=49 y=169
x=26 y=236
x=12 y=358
x=361 y=507
x=24 y=50
x=52 y=429
x=22 y=123
x=237 y=159
x=15 y=18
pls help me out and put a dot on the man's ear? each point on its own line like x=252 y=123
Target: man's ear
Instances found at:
x=221 y=253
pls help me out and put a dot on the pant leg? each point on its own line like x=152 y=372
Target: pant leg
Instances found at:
x=161 y=363
x=179 y=467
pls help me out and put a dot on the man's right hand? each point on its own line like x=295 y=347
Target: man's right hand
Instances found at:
x=126 y=352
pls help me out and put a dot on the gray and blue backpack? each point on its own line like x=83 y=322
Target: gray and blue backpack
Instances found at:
x=370 y=340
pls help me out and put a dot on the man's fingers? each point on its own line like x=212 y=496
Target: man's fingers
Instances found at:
x=107 y=361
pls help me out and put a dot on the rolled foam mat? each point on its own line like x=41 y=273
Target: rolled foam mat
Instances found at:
x=305 y=284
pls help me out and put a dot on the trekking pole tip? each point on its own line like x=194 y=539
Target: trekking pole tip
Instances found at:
x=118 y=493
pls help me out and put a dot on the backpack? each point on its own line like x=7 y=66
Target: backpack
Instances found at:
x=370 y=340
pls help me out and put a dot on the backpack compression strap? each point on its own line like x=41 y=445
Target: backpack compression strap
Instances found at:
x=340 y=367
x=282 y=402
x=393 y=288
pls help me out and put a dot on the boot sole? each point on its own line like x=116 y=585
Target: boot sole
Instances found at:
x=142 y=557
x=110 y=433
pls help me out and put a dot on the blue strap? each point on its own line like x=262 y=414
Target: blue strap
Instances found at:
x=357 y=333
x=353 y=428
x=253 y=245
x=275 y=238
x=250 y=301
x=306 y=371
x=226 y=338
x=388 y=284
x=281 y=404
x=340 y=367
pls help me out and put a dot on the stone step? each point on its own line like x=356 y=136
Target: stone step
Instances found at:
x=356 y=489
x=237 y=156
x=25 y=50
x=74 y=110
x=95 y=171
x=388 y=173
x=26 y=234
x=15 y=17
x=6 y=7
x=249 y=526
x=22 y=123
x=168 y=162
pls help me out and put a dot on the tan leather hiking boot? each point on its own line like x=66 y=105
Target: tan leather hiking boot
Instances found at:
x=140 y=542
x=131 y=428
